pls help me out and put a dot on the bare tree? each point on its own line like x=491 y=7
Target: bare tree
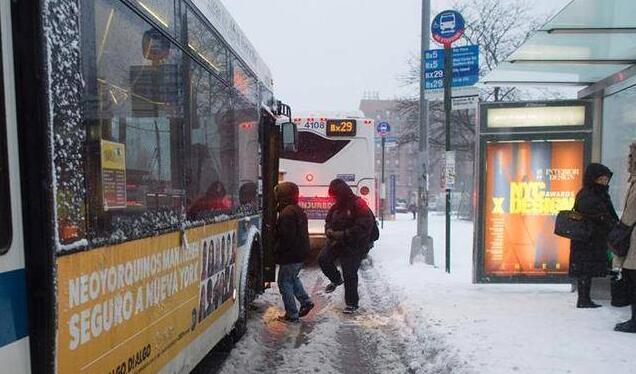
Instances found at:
x=498 y=27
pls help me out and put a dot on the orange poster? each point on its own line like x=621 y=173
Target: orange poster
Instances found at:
x=527 y=184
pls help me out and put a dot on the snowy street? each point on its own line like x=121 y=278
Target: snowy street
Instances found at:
x=418 y=319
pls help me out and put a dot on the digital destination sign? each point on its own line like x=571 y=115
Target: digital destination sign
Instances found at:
x=341 y=127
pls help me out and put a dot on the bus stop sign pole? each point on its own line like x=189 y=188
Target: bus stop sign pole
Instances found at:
x=422 y=243
x=383 y=187
x=383 y=130
x=448 y=73
x=448 y=27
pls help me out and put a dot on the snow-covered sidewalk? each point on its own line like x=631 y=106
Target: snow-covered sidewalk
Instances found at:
x=499 y=328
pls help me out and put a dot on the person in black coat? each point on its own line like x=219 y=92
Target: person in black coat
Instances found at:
x=348 y=228
x=588 y=258
x=291 y=248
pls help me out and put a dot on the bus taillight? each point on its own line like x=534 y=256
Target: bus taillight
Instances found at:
x=364 y=191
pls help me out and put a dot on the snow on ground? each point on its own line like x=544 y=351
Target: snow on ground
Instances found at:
x=376 y=341
x=499 y=328
x=418 y=319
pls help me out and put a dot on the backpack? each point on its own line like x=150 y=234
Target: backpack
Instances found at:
x=374 y=235
x=375 y=231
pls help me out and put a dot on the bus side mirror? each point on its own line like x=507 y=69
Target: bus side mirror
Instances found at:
x=289 y=132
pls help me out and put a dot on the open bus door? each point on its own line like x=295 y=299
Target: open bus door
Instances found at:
x=278 y=132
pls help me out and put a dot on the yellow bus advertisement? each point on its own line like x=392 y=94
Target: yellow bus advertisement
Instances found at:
x=132 y=307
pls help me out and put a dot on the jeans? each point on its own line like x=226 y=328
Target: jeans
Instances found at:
x=350 y=263
x=291 y=288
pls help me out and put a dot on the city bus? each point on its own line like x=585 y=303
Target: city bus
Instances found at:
x=139 y=145
x=329 y=147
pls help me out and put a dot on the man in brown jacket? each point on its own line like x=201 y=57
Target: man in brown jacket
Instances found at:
x=628 y=263
x=292 y=246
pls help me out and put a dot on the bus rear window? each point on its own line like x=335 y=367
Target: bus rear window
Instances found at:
x=314 y=148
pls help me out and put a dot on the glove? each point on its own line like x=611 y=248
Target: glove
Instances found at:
x=335 y=235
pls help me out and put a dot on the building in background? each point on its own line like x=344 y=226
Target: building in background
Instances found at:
x=400 y=159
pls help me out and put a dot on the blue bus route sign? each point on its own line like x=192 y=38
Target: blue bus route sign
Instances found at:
x=465 y=67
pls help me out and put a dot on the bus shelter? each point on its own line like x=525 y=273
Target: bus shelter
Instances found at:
x=589 y=45
x=532 y=158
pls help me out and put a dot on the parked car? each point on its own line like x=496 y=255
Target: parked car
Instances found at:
x=401 y=207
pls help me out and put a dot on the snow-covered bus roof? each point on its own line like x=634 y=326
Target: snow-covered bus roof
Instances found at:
x=223 y=22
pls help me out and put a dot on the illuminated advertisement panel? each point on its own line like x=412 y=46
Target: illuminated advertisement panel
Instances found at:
x=526 y=184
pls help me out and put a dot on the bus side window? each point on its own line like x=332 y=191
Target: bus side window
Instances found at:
x=134 y=112
x=5 y=199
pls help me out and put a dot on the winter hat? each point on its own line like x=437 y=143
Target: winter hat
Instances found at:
x=594 y=171
x=341 y=191
x=286 y=193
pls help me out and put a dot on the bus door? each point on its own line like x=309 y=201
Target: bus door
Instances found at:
x=14 y=342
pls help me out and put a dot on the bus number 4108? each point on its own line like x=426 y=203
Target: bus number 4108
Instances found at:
x=315 y=125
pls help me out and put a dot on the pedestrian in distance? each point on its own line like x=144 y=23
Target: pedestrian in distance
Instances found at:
x=348 y=227
x=413 y=210
x=292 y=246
x=588 y=259
x=628 y=263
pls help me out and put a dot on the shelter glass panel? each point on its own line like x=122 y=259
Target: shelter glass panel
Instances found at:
x=619 y=130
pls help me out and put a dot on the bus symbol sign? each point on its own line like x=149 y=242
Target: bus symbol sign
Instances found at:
x=447 y=27
x=384 y=129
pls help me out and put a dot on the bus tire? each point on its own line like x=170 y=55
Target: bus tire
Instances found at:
x=250 y=287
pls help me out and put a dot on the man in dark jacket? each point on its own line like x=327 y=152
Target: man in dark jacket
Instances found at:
x=292 y=246
x=348 y=228
x=588 y=258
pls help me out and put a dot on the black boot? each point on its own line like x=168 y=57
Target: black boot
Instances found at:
x=628 y=326
x=584 y=286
